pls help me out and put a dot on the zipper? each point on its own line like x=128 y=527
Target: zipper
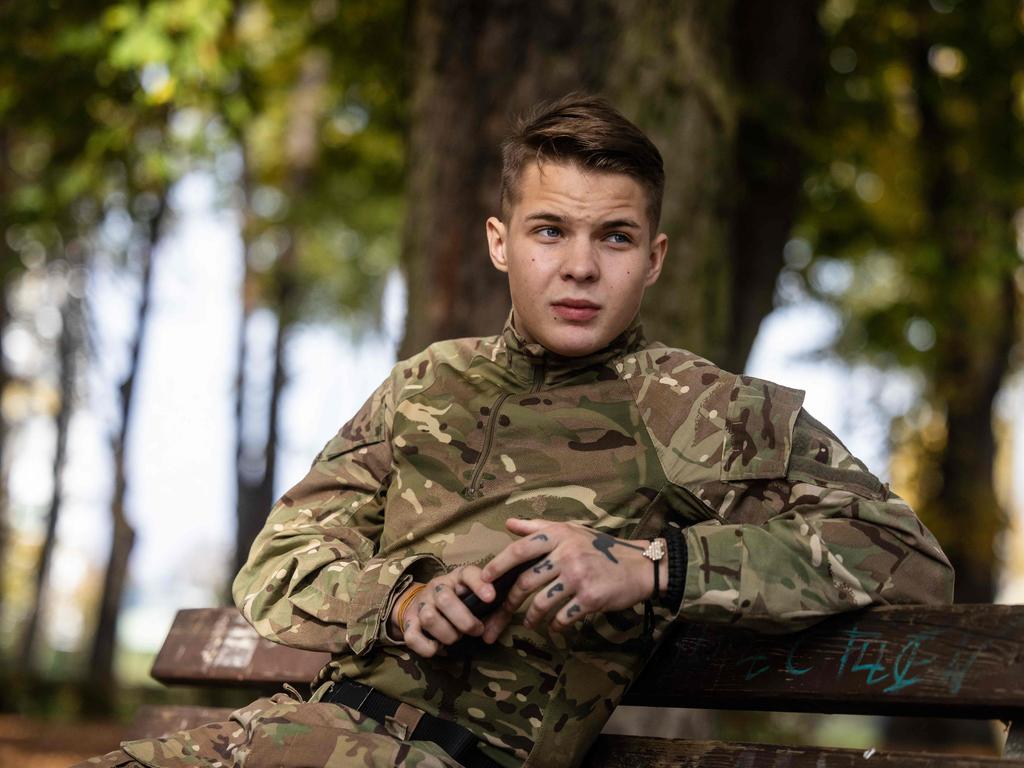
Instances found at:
x=472 y=490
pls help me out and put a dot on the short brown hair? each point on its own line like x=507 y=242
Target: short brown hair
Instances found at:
x=588 y=131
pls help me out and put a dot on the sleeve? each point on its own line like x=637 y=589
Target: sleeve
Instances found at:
x=823 y=537
x=313 y=579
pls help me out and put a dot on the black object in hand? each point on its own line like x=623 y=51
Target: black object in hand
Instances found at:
x=502 y=585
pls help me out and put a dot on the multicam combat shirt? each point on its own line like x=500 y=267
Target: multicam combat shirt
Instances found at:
x=782 y=524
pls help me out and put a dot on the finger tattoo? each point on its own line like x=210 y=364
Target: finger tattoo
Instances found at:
x=573 y=610
x=547 y=565
x=556 y=589
x=540 y=537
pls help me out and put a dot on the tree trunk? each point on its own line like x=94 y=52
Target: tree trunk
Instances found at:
x=667 y=66
x=779 y=66
x=6 y=266
x=250 y=465
x=257 y=466
x=978 y=258
x=476 y=65
x=67 y=351
x=976 y=306
x=98 y=695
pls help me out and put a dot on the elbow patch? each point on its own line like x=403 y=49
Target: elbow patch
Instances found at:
x=820 y=458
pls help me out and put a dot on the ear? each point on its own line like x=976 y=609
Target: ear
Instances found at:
x=655 y=259
x=496 y=242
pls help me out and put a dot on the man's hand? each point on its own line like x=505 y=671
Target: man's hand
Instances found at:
x=584 y=572
x=437 y=616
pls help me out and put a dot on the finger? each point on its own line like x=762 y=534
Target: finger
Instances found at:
x=519 y=551
x=433 y=621
x=418 y=642
x=544 y=572
x=451 y=607
x=569 y=614
x=548 y=600
x=496 y=624
x=473 y=578
x=523 y=526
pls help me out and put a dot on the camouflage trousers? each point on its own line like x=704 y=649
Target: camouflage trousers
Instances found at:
x=282 y=732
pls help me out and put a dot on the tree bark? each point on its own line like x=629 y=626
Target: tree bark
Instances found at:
x=976 y=307
x=5 y=271
x=99 y=691
x=67 y=352
x=972 y=351
x=301 y=150
x=668 y=66
x=250 y=464
x=476 y=65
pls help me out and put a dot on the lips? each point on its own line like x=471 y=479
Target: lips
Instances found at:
x=575 y=310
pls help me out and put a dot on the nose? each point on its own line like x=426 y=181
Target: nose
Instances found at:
x=580 y=261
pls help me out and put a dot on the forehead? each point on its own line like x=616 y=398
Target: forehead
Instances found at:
x=578 y=194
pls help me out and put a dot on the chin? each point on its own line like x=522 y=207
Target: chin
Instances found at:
x=573 y=347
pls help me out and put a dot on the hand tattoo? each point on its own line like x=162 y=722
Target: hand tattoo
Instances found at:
x=540 y=537
x=604 y=543
x=547 y=565
x=555 y=590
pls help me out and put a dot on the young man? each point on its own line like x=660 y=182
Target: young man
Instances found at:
x=642 y=485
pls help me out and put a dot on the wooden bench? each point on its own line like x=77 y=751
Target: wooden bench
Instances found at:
x=961 y=661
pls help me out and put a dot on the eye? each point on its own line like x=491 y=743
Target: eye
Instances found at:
x=619 y=238
x=549 y=232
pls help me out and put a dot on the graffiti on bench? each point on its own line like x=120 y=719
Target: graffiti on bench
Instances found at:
x=880 y=660
x=940 y=658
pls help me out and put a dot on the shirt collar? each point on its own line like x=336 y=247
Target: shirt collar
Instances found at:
x=524 y=358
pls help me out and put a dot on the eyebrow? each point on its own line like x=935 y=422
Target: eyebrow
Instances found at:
x=555 y=218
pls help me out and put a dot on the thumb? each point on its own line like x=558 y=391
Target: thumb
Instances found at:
x=523 y=527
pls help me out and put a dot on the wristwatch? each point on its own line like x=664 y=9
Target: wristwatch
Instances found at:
x=655 y=552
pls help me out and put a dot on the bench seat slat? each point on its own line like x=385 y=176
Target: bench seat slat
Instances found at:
x=631 y=751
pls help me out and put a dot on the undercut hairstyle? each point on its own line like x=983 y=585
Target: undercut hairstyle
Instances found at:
x=586 y=131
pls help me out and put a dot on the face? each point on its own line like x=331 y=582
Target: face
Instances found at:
x=579 y=253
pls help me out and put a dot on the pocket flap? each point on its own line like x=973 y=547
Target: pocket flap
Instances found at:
x=759 y=429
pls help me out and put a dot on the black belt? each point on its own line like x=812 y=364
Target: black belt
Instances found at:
x=457 y=741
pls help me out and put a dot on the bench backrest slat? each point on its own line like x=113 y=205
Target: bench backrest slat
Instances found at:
x=216 y=646
x=953 y=661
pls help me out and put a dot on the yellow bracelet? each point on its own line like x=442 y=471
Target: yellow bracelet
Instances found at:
x=406 y=600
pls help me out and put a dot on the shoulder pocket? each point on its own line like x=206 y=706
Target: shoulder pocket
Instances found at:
x=759 y=429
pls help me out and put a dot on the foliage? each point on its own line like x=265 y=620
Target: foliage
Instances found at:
x=876 y=223
x=911 y=232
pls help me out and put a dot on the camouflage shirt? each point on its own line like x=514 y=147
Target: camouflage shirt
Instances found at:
x=783 y=526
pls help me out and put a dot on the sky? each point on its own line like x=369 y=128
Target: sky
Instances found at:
x=181 y=454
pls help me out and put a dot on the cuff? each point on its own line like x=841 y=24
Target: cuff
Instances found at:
x=377 y=588
x=714 y=564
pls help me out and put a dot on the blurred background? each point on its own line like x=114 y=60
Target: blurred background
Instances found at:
x=222 y=222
